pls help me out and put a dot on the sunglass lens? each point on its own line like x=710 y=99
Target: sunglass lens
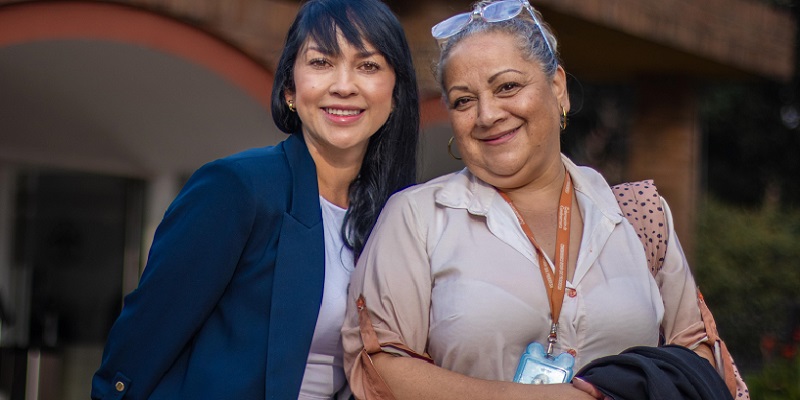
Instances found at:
x=502 y=11
x=450 y=26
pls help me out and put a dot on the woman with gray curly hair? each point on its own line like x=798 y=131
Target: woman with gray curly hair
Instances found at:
x=447 y=300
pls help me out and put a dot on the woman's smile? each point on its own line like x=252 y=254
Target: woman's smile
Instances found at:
x=501 y=138
x=343 y=115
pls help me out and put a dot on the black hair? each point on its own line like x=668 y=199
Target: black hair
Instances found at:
x=390 y=161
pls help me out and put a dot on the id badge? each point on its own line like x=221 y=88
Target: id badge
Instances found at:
x=538 y=368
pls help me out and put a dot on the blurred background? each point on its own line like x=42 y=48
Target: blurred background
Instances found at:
x=106 y=107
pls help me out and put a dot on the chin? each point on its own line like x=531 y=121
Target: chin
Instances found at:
x=503 y=169
x=495 y=176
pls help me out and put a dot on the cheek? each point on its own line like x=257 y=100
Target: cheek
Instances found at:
x=383 y=92
x=462 y=123
x=302 y=92
x=306 y=85
x=468 y=147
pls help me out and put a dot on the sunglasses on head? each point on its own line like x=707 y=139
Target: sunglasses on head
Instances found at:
x=493 y=12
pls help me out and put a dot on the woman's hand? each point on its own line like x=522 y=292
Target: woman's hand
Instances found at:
x=588 y=388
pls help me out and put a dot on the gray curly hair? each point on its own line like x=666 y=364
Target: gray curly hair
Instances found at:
x=529 y=37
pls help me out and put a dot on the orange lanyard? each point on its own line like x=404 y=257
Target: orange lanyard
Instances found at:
x=554 y=283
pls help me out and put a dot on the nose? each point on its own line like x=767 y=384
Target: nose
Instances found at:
x=490 y=111
x=344 y=83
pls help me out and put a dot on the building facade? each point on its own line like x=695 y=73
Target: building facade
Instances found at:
x=107 y=106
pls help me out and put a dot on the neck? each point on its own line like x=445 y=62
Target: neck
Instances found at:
x=335 y=173
x=542 y=193
x=334 y=186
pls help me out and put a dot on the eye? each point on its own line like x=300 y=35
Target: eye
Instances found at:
x=370 y=66
x=319 y=62
x=461 y=103
x=508 y=88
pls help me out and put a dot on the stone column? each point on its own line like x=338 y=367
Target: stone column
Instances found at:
x=664 y=145
x=8 y=286
x=160 y=190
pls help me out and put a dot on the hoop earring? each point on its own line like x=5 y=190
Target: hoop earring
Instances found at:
x=563 y=123
x=450 y=149
x=290 y=103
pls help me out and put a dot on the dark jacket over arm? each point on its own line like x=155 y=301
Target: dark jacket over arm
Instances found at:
x=669 y=373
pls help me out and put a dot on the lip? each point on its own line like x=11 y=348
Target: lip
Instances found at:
x=342 y=114
x=500 y=138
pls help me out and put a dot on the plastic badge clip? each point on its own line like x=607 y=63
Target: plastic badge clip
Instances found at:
x=537 y=367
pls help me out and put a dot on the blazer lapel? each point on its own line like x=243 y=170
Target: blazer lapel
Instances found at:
x=299 y=277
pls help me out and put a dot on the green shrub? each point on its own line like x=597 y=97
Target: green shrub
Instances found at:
x=748 y=267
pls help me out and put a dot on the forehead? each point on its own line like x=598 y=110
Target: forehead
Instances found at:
x=491 y=39
x=482 y=53
x=335 y=45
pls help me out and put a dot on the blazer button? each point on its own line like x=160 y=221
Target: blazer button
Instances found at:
x=572 y=292
x=119 y=386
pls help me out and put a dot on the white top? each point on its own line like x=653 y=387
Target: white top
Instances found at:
x=449 y=271
x=324 y=375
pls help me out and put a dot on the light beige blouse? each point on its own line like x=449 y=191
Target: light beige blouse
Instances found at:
x=448 y=271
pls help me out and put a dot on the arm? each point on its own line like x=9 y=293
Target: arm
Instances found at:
x=411 y=378
x=394 y=275
x=682 y=322
x=194 y=254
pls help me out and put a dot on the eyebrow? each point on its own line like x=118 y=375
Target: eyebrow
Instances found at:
x=362 y=54
x=490 y=80
x=495 y=76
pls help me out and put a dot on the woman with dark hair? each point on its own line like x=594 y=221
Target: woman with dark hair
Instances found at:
x=391 y=154
x=243 y=295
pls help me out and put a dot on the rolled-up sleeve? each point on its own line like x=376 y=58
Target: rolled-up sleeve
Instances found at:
x=393 y=274
x=682 y=323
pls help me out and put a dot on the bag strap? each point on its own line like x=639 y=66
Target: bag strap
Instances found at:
x=723 y=358
x=641 y=205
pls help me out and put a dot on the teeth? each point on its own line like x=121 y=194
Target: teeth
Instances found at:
x=335 y=111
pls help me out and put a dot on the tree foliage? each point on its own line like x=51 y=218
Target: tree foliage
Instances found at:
x=747 y=268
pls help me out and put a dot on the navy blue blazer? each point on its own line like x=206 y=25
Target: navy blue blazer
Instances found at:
x=227 y=304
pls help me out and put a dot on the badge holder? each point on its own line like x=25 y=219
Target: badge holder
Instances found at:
x=538 y=368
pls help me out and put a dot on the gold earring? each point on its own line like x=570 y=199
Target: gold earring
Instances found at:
x=563 y=123
x=449 y=148
x=290 y=103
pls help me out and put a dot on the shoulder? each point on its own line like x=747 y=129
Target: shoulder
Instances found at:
x=271 y=158
x=423 y=193
x=409 y=205
x=586 y=178
x=594 y=186
x=265 y=176
x=423 y=205
x=273 y=166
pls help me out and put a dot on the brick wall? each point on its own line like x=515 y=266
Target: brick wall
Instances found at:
x=257 y=27
x=746 y=33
